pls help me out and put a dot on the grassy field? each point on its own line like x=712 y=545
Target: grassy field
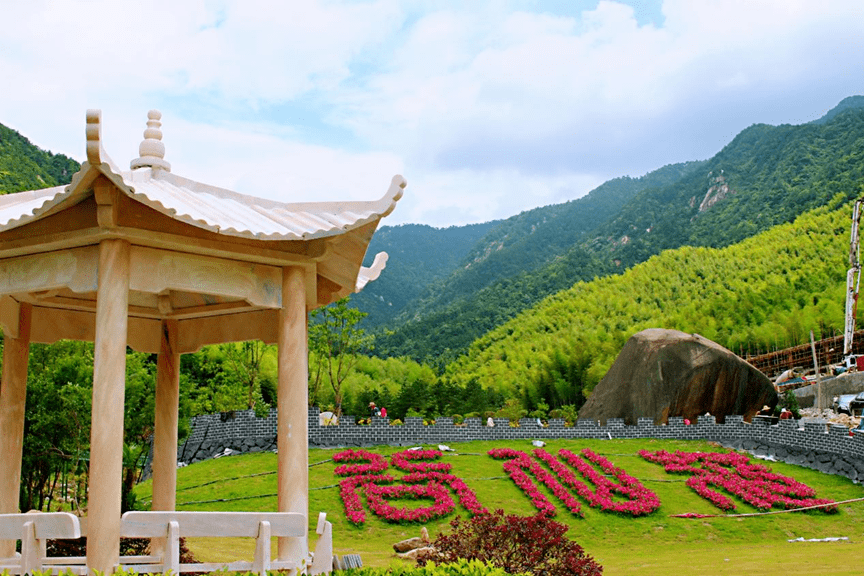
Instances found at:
x=656 y=544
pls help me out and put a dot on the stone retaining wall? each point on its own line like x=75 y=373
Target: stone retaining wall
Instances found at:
x=816 y=445
x=831 y=387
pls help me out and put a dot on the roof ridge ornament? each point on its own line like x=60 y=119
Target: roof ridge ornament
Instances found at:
x=96 y=155
x=151 y=149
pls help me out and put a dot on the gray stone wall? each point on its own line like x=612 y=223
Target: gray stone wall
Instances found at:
x=216 y=434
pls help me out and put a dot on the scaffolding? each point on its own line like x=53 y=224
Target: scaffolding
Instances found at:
x=829 y=352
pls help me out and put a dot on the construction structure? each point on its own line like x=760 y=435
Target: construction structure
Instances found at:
x=829 y=351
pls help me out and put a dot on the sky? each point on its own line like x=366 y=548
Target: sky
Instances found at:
x=487 y=108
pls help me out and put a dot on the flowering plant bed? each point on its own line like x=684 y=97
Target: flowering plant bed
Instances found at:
x=573 y=478
x=426 y=480
x=734 y=473
x=639 y=500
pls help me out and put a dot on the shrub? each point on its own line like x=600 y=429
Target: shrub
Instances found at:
x=128 y=547
x=512 y=410
x=516 y=544
x=568 y=413
x=790 y=402
x=461 y=567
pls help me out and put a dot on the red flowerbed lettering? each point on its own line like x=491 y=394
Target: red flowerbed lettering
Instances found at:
x=639 y=500
x=602 y=485
x=734 y=473
x=426 y=480
x=369 y=463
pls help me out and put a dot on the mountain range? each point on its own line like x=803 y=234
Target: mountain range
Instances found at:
x=767 y=175
x=443 y=289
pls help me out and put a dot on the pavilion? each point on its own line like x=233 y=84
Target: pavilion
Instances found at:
x=163 y=264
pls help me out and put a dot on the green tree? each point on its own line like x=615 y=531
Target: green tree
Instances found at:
x=56 y=422
x=244 y=361
x=335 y=340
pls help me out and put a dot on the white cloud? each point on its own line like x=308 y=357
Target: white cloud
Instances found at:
x=458 y=197
x=488 y=108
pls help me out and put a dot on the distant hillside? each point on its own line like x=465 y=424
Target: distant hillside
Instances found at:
x=530 y=240
x=846 y=104
x=516 y=264
x=766 y=176
x=419 y=256
x=24 y=166
x=767 y=291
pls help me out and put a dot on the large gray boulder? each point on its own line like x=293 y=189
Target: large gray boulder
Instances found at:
x=662 y=373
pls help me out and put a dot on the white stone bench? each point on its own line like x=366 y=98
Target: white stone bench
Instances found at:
x=34 y=529
x=259 y=525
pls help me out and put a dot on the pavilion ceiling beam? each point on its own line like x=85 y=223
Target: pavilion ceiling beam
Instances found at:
x=82 y=305
x=340 y=271
x=164 y=303
x=52 y=325
x=198 y=332
x=353 y=245
x=220 y=248
x=157 y=271
x=73 y=269
x=327 y=291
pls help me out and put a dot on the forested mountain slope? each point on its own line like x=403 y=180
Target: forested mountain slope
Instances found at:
x=766 y=176
x=24 y=166
x=845 y=104
x=766 y=291
x=419 y=256
x=516 y=264
x=528 y=241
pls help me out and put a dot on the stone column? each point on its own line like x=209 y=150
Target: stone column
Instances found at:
x=106 y=433
x=13 y=393
x=165 y=426
x=292 y=400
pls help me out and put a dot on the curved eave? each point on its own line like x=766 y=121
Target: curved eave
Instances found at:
x=233 y=214
x=207 y=207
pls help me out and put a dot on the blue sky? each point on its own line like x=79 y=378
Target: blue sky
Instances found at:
x=487 y=108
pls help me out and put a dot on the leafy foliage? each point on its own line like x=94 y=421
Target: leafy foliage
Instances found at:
x=23 y=166
x=227 y=377
x=56 y=423
x=768 y=175
x=460 y=567
x=419 y=256
x=335 y=339
x=516 y=264
x=763 y=293
x=532 y=545
x=245 y=362
x=407 y=388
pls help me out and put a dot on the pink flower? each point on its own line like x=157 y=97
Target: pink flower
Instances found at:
x=426 y=480
x=733 y=473
x=376 y=463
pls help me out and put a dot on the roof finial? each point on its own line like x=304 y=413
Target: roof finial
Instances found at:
x=152 y=150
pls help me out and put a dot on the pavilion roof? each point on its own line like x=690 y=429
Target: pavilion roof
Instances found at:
x=218 y=210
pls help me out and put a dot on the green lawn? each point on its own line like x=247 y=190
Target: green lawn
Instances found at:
x=656 y=544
